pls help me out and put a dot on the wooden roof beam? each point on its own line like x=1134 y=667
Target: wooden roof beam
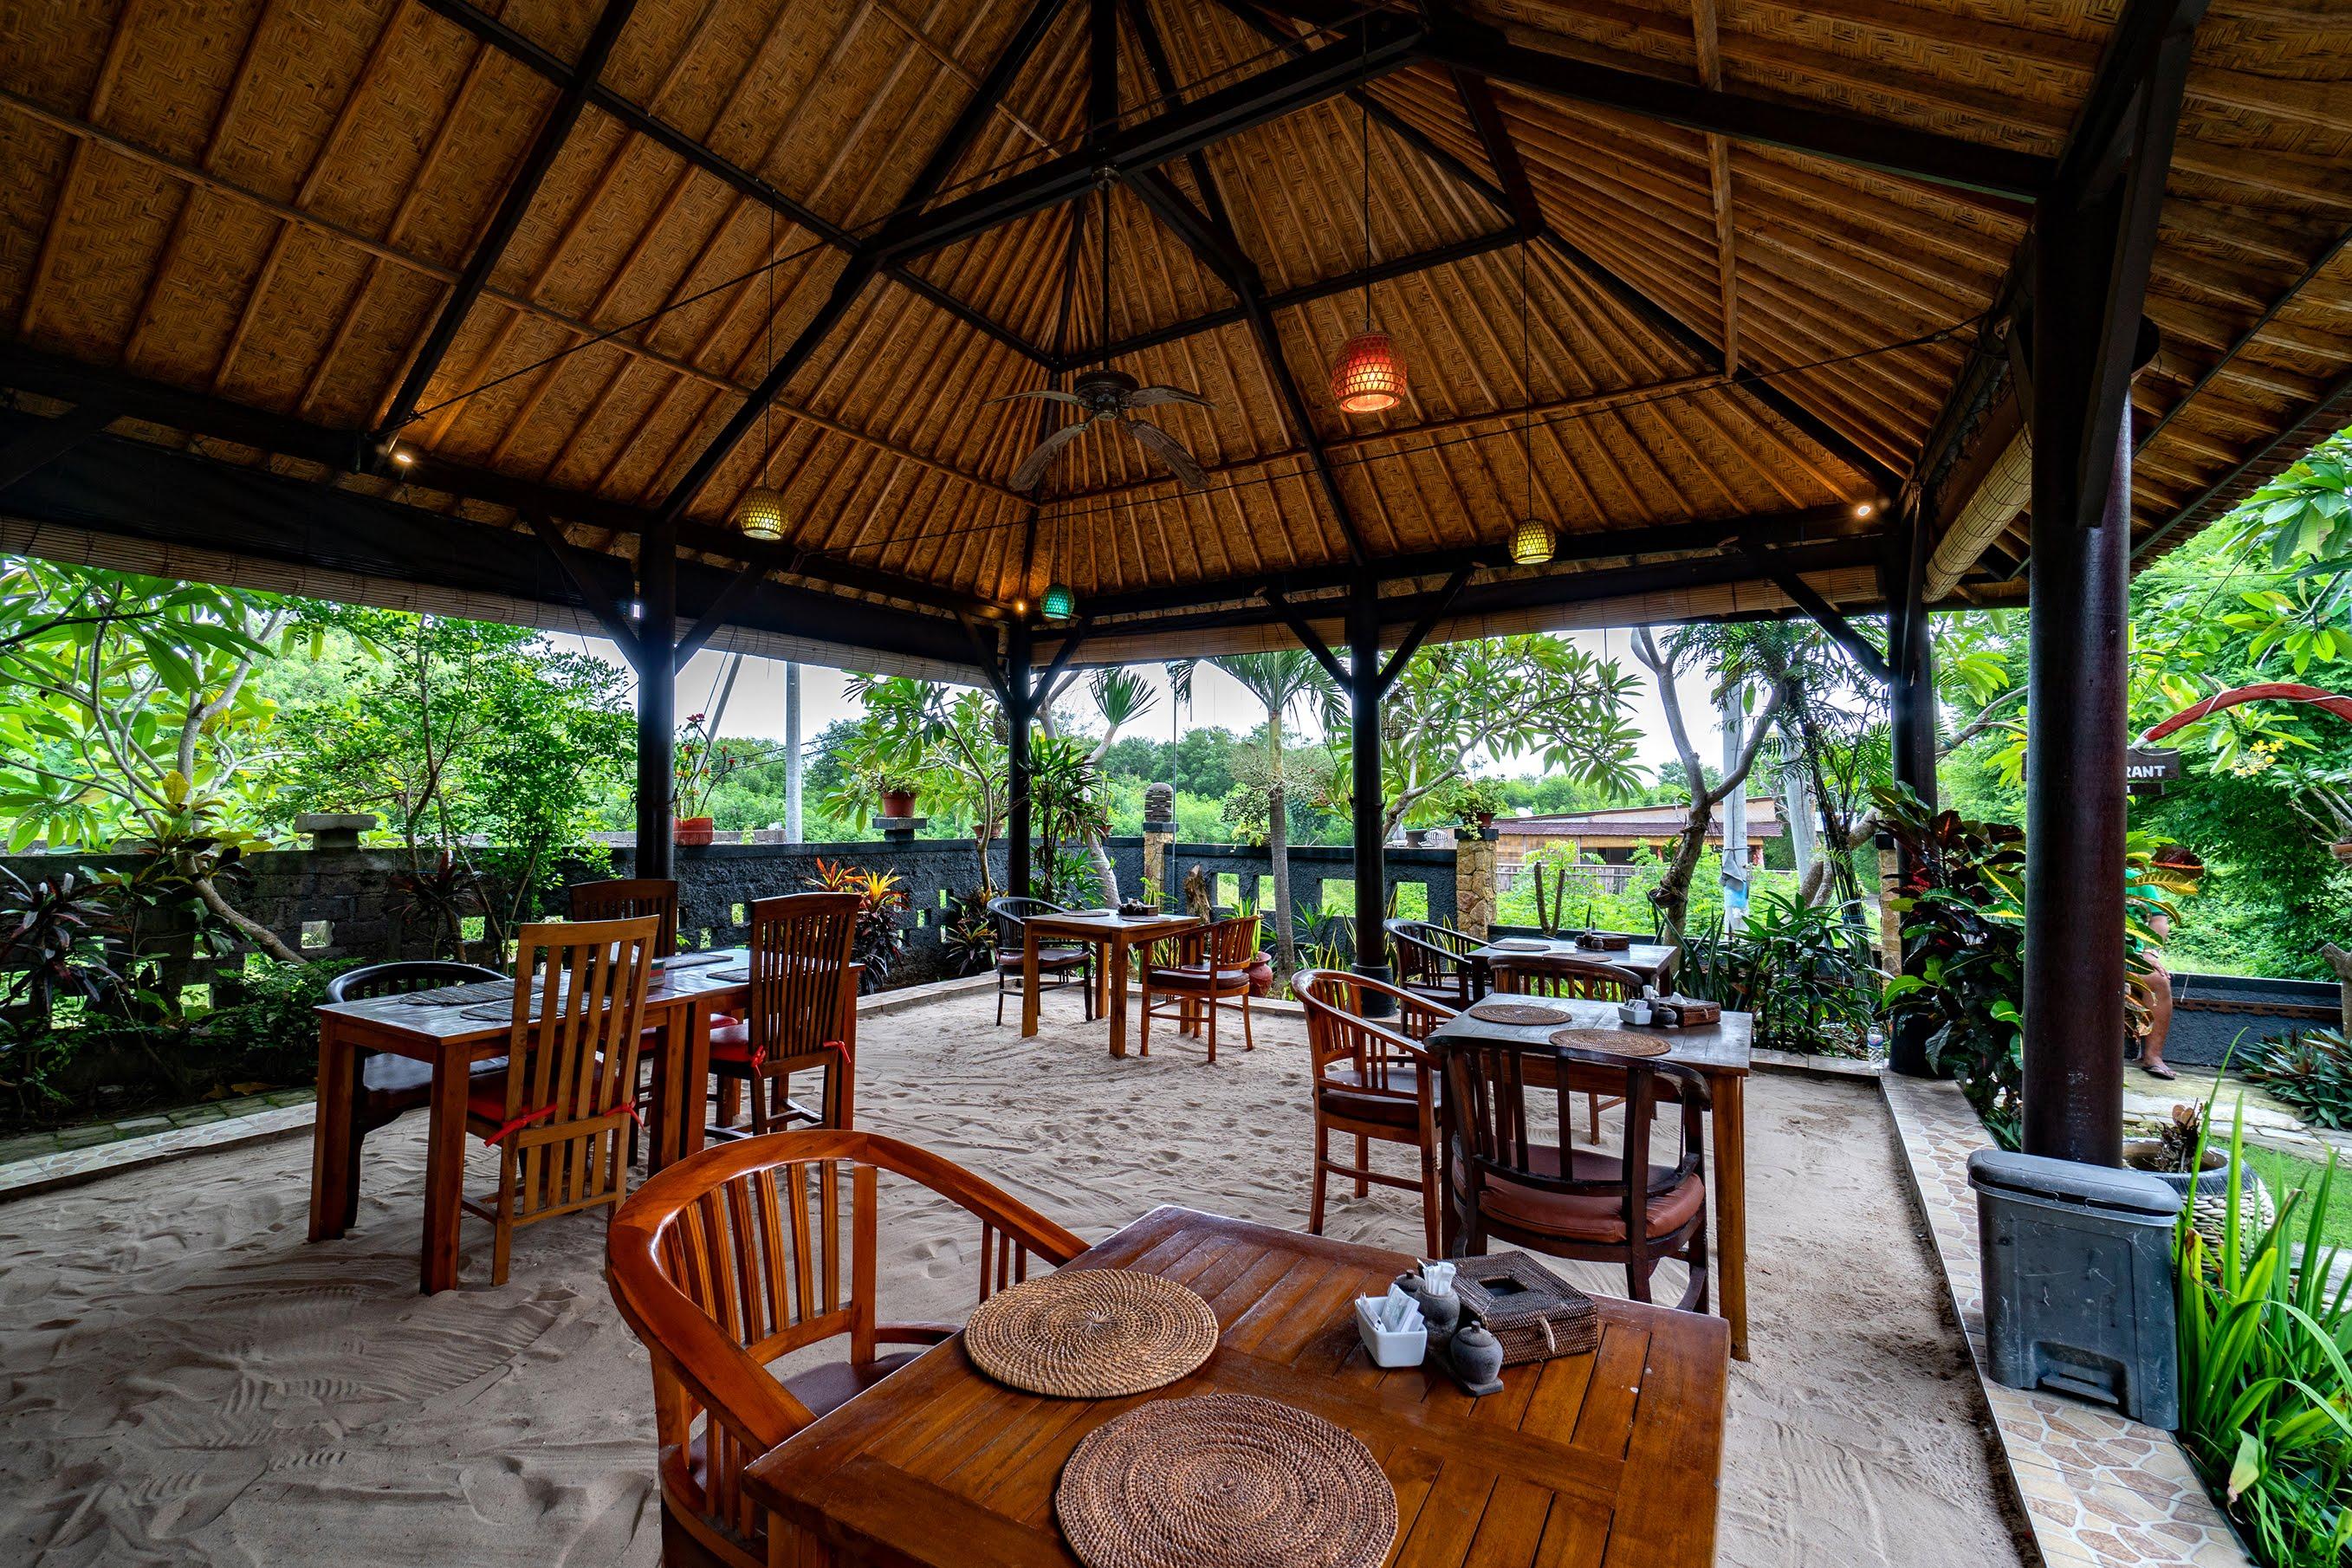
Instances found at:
x=1211 y=236
x=521 y=50
x=1369 y=48
x=520 y=192
x=864 y=262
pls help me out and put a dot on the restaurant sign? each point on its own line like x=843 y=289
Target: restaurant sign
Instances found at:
x=2148 y=769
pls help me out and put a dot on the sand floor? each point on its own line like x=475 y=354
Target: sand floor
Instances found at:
x=186 y=1380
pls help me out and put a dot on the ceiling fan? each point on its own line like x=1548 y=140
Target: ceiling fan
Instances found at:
x=1112 y=395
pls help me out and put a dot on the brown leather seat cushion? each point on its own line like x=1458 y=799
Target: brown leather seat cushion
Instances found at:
x=1342 y=1092
x=828 y=1388
x=1191 y=978
x=1585 y=1217
x=1047 y=958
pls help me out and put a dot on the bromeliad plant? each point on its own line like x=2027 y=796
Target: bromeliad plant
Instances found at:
x=2311 y=1071
x=881 y=936
x=2266 y=1390
x=1803 y=970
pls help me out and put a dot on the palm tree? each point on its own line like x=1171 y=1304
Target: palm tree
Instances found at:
x=1123 y=697
x=1280 y=681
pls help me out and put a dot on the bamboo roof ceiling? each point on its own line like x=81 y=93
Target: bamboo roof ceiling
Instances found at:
x=535 y=244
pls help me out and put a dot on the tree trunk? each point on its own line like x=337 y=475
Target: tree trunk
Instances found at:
x=2341 y=963
x=261 y=935
x=1673 y=896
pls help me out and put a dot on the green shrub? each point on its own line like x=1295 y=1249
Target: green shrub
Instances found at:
x=2311 y=1071
x=2264 y=1387
x=1803 y=970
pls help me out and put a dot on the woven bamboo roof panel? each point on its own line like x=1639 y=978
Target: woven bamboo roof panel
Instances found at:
x=271 y=206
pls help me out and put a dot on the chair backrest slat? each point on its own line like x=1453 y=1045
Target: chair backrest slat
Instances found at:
x=801 y=947
x=579 y=1012
x=1578 y=978
x=1487 y=1086
x=628 y=898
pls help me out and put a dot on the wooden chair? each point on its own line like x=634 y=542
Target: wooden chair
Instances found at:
x=558 y=1112
x=1581 y=979
x=1434 y=961
x=1202 y=968
x=384 y=1086
x=1506 y=1183
x=1373 y=1080
x=1062 y=963
x=720 y=1268
x=800 y=1013
x=629 y=899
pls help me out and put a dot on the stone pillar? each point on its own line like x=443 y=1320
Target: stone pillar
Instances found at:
x=1158 y=837
x=1473 y=879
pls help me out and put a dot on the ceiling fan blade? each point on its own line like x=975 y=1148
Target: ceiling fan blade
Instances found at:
x=1041 y=392
x=1032 y=466
x=1169 y=451
x=1146 y=398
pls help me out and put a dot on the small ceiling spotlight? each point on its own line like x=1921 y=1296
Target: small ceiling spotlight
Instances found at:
x=403 y=455
x=1864 y=509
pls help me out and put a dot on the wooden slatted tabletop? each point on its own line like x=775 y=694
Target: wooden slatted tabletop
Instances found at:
x=1604 y=1460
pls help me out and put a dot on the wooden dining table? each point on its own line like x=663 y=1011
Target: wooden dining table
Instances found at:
x=1609 y=1460
x=1652 y=961
x=1115 y=935
x=684 y=993
x=1720 y=1052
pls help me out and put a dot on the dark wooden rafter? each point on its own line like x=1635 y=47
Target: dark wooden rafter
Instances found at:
x=738 y=592
x=53 y=438
x=522 y=188
x=1367 y=49
x=1824 y=614
x=515 y=46
x=1418 y=633
x=1657 y=316
x=1042 y=694
x=579 y=566
x=1208 y=232
x=863 y=263
x=989 y=658
x=1308 y=638
x=1502 y=153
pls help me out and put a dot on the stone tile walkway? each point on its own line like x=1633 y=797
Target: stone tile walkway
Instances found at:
x=36 y=1161
x=2100 y=1491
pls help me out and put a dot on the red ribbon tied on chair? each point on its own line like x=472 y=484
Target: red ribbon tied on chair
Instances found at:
x=629 y=1107
x=760 y=1053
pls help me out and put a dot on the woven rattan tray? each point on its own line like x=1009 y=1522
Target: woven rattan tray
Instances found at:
x=1091 y=1333
x=1616 y=1042
x=1525 y=1013
x=1534 y=1314
x=1224 y=1480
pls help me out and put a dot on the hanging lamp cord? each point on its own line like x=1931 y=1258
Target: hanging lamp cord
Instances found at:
x=1366 y=119
x=1527 y=389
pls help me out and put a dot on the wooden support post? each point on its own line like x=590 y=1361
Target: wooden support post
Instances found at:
x=1911 y=704
x=1364 y=753
x=2094 y=240
x=656 y=700
x=1020 y=708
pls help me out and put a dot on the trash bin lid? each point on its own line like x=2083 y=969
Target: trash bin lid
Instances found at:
x=2073 y=1182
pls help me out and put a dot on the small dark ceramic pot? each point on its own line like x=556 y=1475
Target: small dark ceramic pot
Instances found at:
x=1477 y=1357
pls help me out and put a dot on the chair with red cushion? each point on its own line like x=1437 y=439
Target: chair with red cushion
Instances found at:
x=1374 y=1080
x=560 y=1110
x=739 y=1255
x=1200 y=969
x=800 y=1010
x=1512 y=1180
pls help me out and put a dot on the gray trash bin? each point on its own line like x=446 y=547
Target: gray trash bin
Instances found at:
x=2078 y=1281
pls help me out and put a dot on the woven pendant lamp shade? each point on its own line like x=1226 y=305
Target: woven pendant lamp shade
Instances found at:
x=1531 y=542
x=1059 y=604
x=1368 y=374
x=760 y=514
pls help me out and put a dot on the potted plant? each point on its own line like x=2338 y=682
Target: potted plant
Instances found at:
x=1474 y=801
x=2179 y=1145
x=898 y=797
x=703 y=762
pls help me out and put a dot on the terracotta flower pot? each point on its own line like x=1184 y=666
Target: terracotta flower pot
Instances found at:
x=1261 y=974
x=1486 y=820
x=898 y=803
x=694 y=830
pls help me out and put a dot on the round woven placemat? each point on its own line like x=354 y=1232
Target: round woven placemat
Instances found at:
x=1091 y=1333
x=1518 y=1013
x=1616 y=1042
x=1224 y=1480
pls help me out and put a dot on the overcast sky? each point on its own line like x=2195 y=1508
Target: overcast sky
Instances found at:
x=757 y=707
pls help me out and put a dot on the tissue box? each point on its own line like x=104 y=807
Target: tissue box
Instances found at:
x=1389 y=1347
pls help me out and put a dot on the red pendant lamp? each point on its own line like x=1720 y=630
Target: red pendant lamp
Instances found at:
x=1368 y=374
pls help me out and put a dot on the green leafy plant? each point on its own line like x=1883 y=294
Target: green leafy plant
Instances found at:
x=50 y=940
x=2312 y=1071
x=1803 y=970
x=970 y=934
x=2266 y=1392
x=881 y=936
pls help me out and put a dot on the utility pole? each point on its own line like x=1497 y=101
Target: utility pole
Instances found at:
x=792 y=754
x=1735 y=811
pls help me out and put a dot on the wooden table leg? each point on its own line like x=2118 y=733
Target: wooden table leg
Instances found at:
x=1028 y=978
x=332 y=1196
x=693 y=1054
x=445 y=1171
x=1730 y=1177
x=1117 y=1003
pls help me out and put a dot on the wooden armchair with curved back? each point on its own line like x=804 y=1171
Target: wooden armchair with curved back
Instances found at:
x=384 y=1086
x=1432 y=960
x=1198 y=970
x=739 y=1255
x=1374 y=1080
x=800 y=1013
x=1505 y=1180
x=1062 y=963
x=1578 y=979
x=560 y=1110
